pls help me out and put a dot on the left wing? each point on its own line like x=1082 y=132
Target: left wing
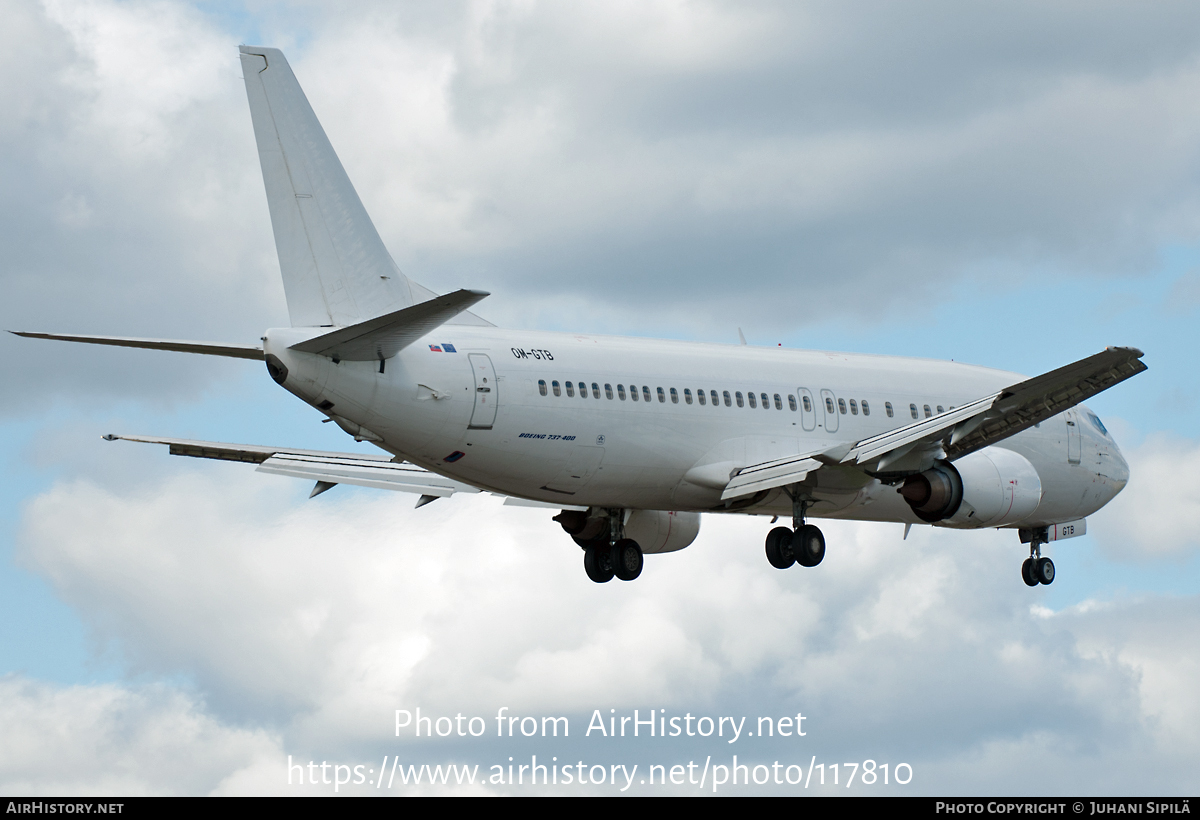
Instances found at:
x=327 y=469
x=952 y=435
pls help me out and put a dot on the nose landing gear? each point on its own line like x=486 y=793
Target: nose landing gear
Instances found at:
x=1036 y=569
x=804 y=544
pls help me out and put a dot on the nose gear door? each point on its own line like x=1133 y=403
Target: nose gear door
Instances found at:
x=486 y=395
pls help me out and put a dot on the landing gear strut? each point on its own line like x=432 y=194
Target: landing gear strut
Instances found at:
x=1036 y=569
x=616 y=556
x=803 y=544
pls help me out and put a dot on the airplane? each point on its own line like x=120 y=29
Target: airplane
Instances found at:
x=631 y=440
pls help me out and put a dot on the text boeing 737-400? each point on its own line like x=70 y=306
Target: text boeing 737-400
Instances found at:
x=633 y=441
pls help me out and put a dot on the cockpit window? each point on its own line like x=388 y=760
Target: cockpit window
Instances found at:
x=1095 y=420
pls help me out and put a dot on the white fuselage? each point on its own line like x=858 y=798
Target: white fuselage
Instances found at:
x=485 y=401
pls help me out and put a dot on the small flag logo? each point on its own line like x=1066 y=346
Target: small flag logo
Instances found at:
x=435 y=348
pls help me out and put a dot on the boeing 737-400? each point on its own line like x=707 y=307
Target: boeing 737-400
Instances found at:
x=631 y=440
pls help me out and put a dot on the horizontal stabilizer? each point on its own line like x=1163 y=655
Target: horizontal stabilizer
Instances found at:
x=385 y=336
x=207 y=348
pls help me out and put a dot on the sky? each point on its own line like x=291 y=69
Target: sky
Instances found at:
x=1015 y=185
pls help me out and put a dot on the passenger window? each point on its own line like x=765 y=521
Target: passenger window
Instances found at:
x=842 y=406
x=542 y=387
x=853 y=407
x=596 y=391
x=928 y=412
x=700 y=397
x=608 y=391
x=687 y=395
x=728 y=401
x=645 y=392
x=913 y=408
x=570 y=390
x=583 y=390
x=887 y=406
x=940 y=409
x=662 y=397
x=807 y=404
x=740 y=401
x=792 y=402
x=866 y=408
x=713 y=395
x=674 y=396
x=633 y=392
x=778 y=402
x=621 y=392
x=753 y=404
x=766 y=403
x=829 y=406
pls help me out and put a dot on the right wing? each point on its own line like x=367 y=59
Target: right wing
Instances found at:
x=327 y=469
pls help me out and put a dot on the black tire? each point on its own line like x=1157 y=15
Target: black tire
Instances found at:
x=1043 y=570
x=809 y=546
x=779 y=548
x=598 y=563
x=627 y=559
x=1027 y=573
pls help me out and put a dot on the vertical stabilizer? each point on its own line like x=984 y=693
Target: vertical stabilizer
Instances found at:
x=336 y=270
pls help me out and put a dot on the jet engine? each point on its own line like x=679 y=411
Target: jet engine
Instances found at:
x=654 y=530
x=993 y=487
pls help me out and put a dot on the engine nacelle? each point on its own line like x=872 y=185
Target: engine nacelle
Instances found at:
x=662 y=530
x=654 y=530
x=993 y=487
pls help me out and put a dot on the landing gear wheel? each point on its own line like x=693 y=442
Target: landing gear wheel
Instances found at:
x=1043 y=570
x=779 y=548
x=598 y=563
x=1027 y=573
x=627 y=559
x=808 y=544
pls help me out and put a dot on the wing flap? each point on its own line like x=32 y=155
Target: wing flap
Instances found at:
x=769 y=475
x=362 y=469
x=383 y=476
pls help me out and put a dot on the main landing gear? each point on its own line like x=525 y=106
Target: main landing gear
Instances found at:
x=803 y=544
x=1036 y=569
x=604 y=558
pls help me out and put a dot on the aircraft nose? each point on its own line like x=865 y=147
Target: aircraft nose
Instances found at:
x=1119 y=469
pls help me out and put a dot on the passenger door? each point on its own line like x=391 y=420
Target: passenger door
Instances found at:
x=486 y=395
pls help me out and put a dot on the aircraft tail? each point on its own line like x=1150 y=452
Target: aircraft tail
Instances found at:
x=336 y=270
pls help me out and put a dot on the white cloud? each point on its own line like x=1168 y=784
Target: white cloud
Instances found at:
x=320 y=619
x=116 y=740
x=1155 y=516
